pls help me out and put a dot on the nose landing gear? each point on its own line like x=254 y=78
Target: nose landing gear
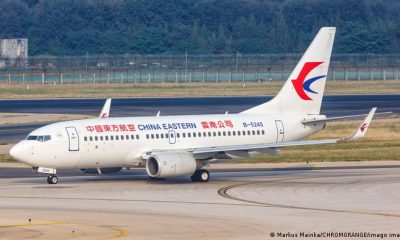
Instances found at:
x=52 y=179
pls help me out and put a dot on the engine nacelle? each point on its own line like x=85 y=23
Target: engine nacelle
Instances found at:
x=163 y=165
x=103 y=170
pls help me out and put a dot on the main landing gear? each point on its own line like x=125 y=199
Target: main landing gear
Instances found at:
x=202 y=175
x=52 y=179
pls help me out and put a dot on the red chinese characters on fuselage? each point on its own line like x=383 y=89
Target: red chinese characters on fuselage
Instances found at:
x=111 y=128
x=216 y=124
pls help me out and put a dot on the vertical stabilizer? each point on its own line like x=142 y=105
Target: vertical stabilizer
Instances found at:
x=304 y=89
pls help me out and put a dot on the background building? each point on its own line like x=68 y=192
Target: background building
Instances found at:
x=13 y=52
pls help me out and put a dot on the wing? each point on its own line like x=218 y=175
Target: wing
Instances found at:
x=361 y=131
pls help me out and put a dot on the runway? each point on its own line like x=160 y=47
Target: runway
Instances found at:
x=234 y=205
x=333 y=105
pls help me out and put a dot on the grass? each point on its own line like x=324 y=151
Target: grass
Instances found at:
x=6 y=158
x=382 y=142
x=184 y=89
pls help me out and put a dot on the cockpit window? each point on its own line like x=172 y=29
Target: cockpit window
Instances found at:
x=31 y=137
x=43 y=138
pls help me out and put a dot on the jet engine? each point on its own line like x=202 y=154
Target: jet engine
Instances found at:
x=163 y=165
x=102 y=170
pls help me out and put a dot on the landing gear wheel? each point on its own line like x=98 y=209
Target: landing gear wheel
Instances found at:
x=201 y=175
x=52 y=179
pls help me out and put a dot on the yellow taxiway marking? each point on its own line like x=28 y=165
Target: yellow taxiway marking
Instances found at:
x=40 y=223
x=120 y=232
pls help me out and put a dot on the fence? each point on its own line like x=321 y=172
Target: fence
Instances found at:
x=187 y=68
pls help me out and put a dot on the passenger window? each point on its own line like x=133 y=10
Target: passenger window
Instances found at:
x=215 y=134
x=209 y=134
x=96 y=138
x=112 y=138
x=244 y=133
x=106 y=138
x=137 y=136
x=258 y=132
x=162 y=135
x=254 y=132
x=229 y=133
x=248 y=132
x=101 y=138
x=234 y=133
x=262 y=132
x=194 y=134
x=204 y=134
x=189 y=135
x=127 y=137
x=219 y=134
x=224 y=133
x=85 y=139
x=122 y=137
x=178 y=135
x=152 y=136
x=157 y=136
x=91 y=138
x=147 y=136
x=183 y=135
x=116 y=137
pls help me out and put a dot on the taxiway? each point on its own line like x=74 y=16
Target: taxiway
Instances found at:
x=235 y=204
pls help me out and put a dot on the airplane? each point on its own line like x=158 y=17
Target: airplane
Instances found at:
x=177 y=146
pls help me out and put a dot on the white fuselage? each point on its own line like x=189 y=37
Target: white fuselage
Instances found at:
x=121 y=142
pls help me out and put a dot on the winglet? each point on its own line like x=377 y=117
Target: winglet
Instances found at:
x=105 y=112
x=362 y=129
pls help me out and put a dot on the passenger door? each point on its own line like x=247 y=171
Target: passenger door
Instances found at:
x=73 y=138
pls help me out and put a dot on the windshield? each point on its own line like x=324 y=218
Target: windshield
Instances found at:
x=42 y=138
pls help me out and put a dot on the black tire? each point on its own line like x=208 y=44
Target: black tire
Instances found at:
x=201 y=175
x=52 y=179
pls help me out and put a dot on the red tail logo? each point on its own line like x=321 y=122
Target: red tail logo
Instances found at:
x=363 y=127
x=300 y=84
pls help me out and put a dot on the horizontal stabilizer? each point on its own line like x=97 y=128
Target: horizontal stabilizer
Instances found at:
x=334 y=119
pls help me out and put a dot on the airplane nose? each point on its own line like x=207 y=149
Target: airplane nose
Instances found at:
x=19 y=152
x=15 y=151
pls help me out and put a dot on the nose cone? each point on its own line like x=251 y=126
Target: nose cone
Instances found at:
x=20 y=152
